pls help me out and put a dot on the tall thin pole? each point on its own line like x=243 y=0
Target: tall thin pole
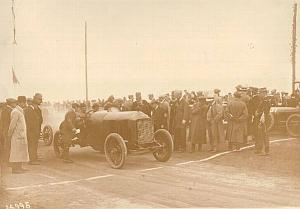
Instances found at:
x=86 y=74
x=294 y=49
x=14 y=44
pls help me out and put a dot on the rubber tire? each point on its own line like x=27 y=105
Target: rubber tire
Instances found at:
x=48 y=142
x=121 y=143
x=271 y=122
x=163 y=136
x=290 y=132
x=57 y=144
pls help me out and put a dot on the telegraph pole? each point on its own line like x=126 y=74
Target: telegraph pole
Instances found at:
x=85 y=57
x=294 y=49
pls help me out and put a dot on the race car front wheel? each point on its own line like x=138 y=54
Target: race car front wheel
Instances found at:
x=115 y=150
x=163 y=138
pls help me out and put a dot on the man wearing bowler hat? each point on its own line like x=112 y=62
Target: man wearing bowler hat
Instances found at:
x=32 y=128
x=18 y=137
x=259 y=123
x=36 y=102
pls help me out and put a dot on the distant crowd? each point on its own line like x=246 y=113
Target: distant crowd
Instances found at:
x=277 y=99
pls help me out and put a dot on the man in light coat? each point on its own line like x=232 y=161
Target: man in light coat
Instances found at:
x=18 y=137
x=237 y=114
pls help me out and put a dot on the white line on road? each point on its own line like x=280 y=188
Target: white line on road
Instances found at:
x=184 y=163
x=228 y=152
x=98 y=177
x=47 y=176
x=150 y=169
x=57 y=183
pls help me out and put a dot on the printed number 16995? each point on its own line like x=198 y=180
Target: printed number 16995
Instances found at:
x=18 y=205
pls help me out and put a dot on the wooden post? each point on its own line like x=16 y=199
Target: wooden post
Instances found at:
x=86 y=74
x=294 y=49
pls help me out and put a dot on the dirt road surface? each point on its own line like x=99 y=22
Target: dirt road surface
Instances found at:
x=236 y=179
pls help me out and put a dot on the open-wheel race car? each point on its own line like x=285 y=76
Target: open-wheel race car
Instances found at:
x=287 y=118
x=120 y=133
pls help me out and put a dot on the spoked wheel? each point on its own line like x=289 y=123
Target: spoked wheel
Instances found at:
x=115 y=150
x=293 y=125
x=270 y=121
x=57 y=144
x=47 y=135
x=164 y=139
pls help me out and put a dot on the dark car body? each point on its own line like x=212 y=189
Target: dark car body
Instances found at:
x=117 y=134
x=280 y=115
x=134 y=127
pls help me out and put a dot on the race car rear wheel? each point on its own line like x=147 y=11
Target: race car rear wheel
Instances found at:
x=270 y=121
x=115 y=150
x=163 y=138
x=293 y=125
x=57 y=144
x=47 y=135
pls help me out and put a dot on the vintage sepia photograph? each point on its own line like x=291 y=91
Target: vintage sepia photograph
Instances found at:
x=149 y=104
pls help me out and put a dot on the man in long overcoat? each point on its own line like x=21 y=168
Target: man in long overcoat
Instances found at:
x=215 y=116
x=18 y=137
x=32 y=129
x=37 y=101
x=237 y=115
x=260 y=118
x=198 y=123
x=181 y=117
x=158 y=116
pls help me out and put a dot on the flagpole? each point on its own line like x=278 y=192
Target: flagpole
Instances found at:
x=14 y=44
x=86 y=74
x=294 y=36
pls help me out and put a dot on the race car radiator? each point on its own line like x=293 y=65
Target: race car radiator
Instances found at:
x=145 y=131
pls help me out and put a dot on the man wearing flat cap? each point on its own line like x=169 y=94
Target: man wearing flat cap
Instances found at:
x=32 y=128
x=18 y=137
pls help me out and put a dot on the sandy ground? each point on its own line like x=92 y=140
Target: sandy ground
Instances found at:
x=238 y=179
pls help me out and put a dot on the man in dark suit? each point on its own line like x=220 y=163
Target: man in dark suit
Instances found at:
x=141 y=105
x=158 y=116
x=181 y=117
x=37 y=100
x=32 y=128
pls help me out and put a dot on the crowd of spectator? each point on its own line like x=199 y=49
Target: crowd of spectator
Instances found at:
x=194 y=118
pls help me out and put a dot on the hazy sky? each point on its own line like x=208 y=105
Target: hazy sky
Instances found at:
x=152 y=46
